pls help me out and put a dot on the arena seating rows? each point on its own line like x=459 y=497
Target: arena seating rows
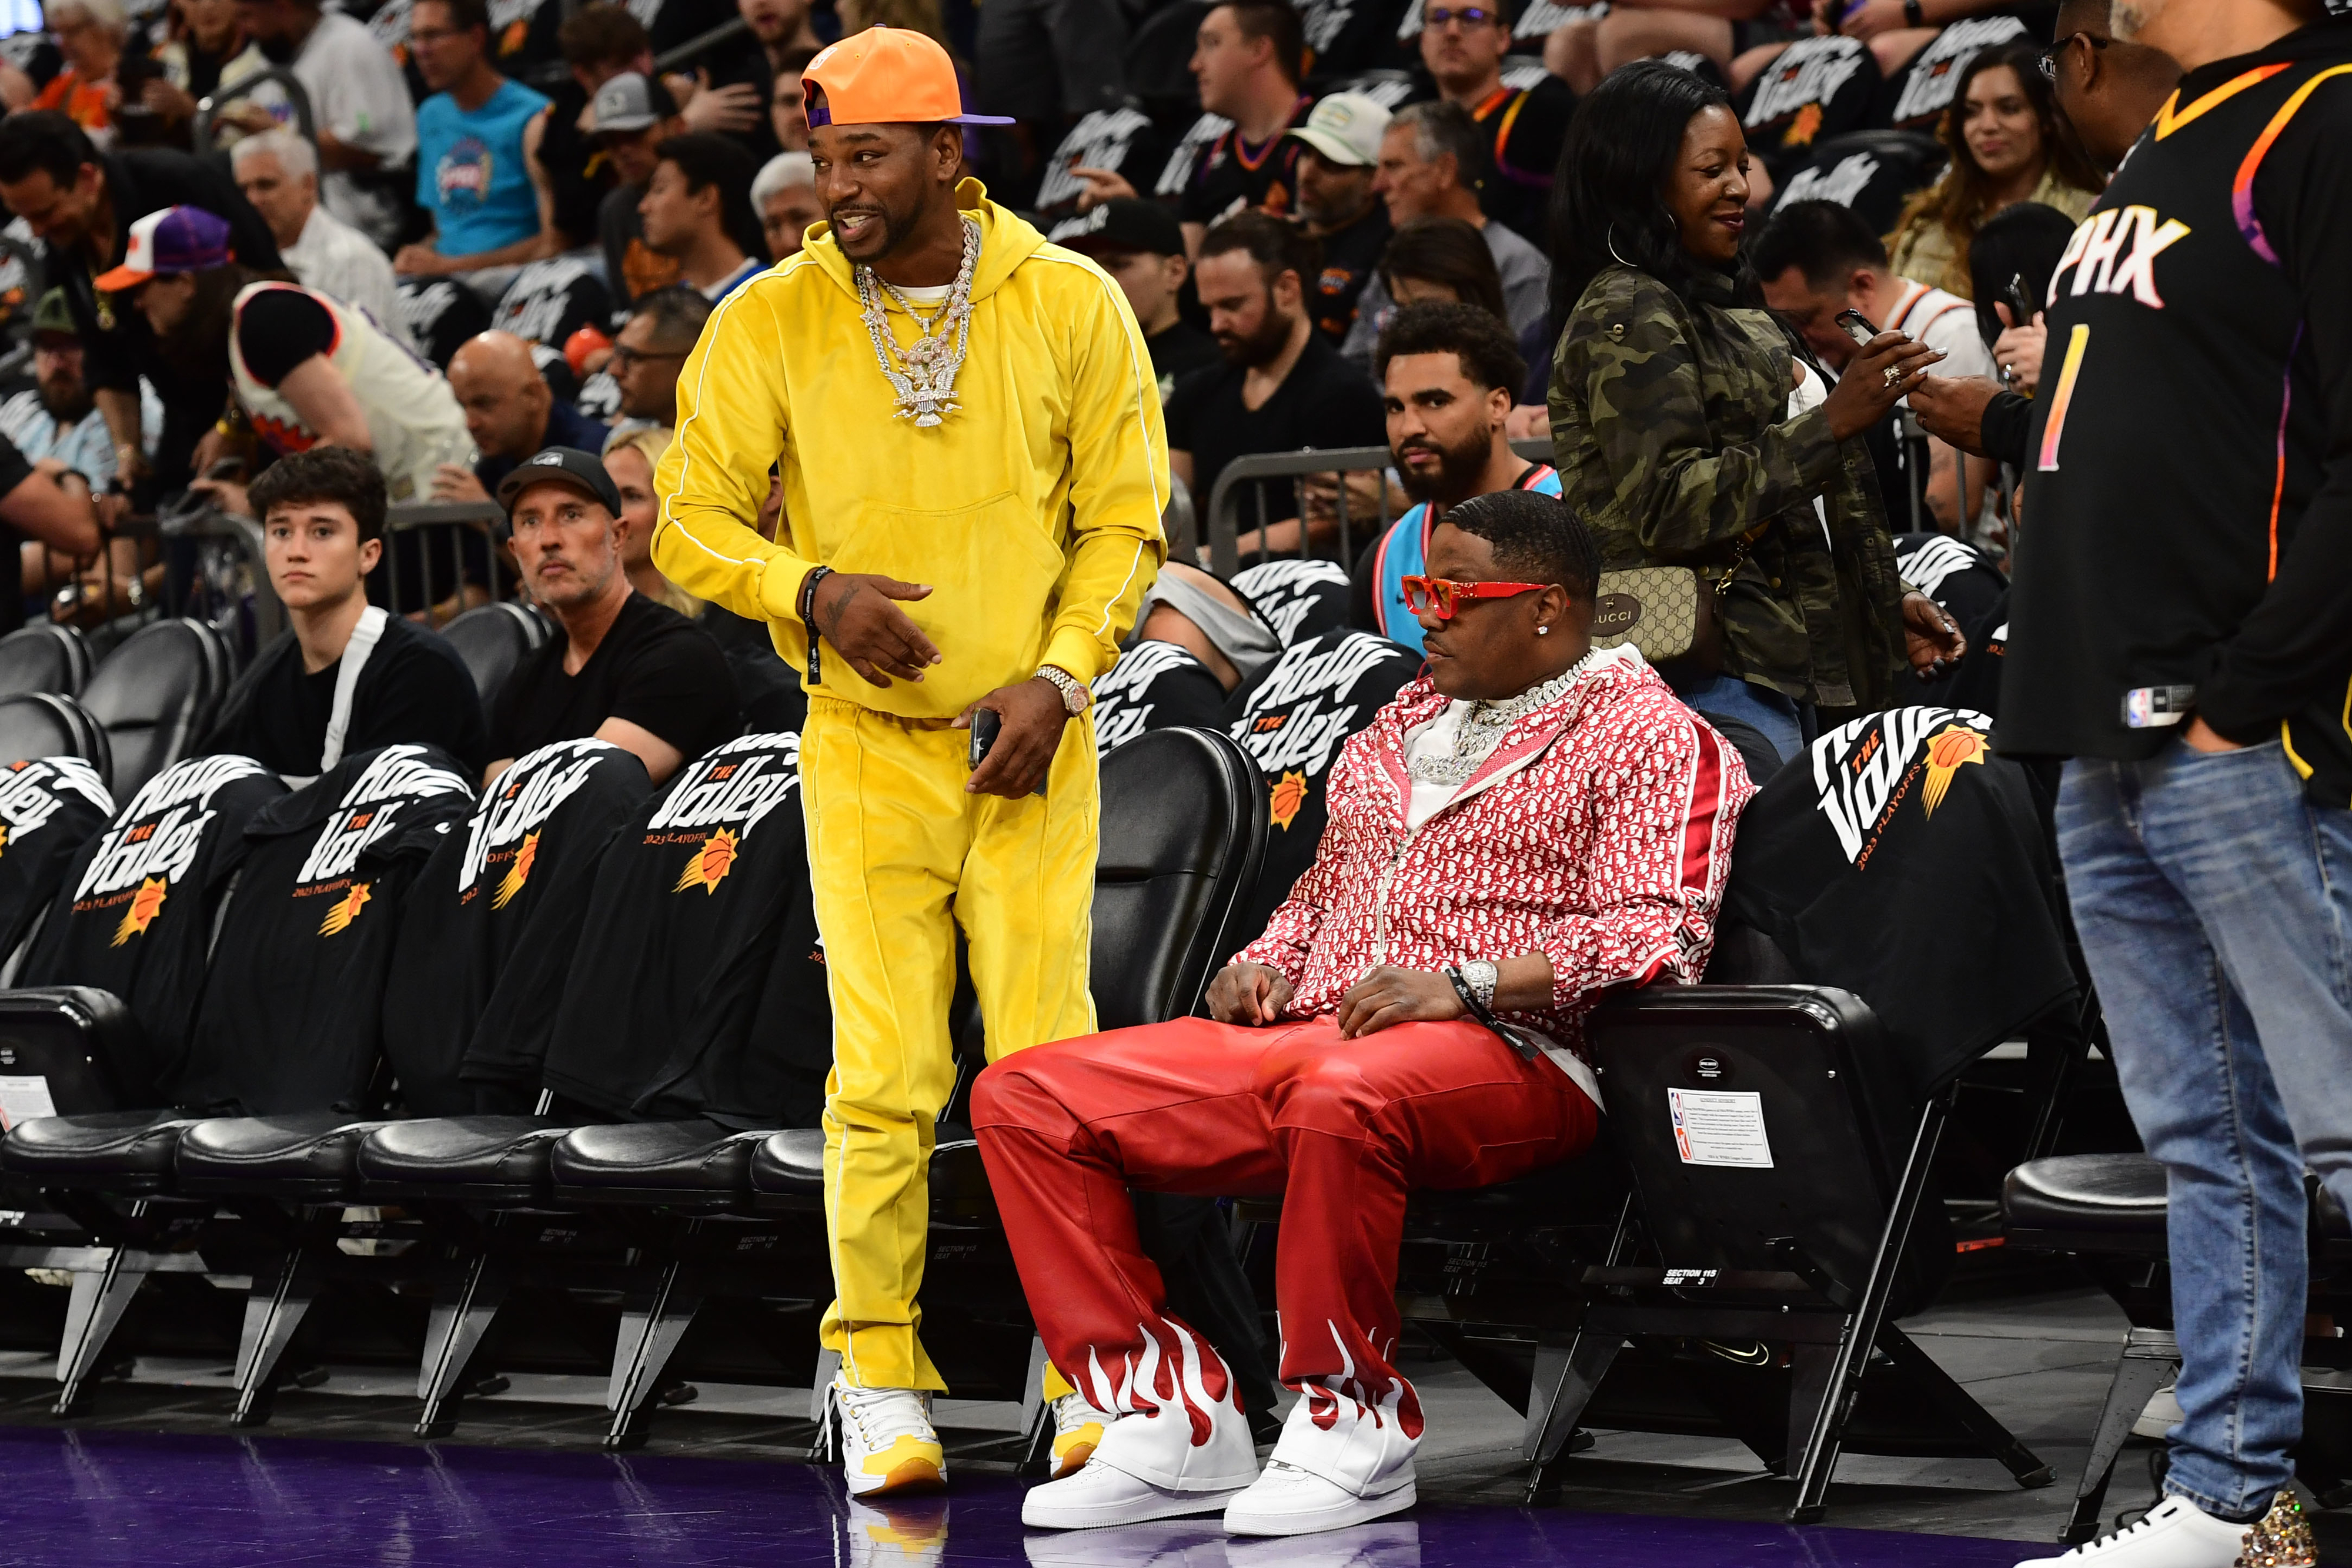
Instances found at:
x=491 y=1132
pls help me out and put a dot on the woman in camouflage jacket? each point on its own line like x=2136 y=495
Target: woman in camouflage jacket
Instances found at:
x=1675 y=427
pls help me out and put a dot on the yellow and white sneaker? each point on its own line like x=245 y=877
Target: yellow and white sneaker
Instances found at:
x=1078 y=1430
x=888 y=1445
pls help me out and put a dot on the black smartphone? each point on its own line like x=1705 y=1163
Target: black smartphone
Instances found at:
x=985 y=727
x=225 y=469
x=1857 y=326
x=2021 y=309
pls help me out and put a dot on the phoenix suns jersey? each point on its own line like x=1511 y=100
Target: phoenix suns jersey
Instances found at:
x=2187 y=532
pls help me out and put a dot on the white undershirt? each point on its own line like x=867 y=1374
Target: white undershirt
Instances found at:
x=936 y=294
x=1434 y=740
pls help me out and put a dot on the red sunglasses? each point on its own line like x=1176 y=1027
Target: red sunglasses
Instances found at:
x=1423 y=594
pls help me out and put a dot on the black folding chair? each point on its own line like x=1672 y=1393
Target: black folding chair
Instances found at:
x=1783 y=1197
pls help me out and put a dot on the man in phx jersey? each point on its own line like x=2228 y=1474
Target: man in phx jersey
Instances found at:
x=2182 y=629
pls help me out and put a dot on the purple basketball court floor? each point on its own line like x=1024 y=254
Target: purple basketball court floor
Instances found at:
x=102 y=1499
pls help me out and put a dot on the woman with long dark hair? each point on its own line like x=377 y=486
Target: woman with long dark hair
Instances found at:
x=2009 y=144
x=1688 y=433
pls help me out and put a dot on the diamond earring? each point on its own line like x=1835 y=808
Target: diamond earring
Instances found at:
x=1543 y=630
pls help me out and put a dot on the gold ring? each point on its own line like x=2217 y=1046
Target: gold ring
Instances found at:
x=1894 y=377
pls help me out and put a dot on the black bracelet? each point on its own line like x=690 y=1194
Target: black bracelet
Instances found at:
x=1478 y=1009
x=1915 y=14
x=808 y=620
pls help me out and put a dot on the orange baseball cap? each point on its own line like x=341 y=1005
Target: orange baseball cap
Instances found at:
x=887 y=75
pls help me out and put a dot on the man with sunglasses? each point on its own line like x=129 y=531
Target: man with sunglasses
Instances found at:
x=1530 y=825
x=662 y=330
x=1463 y=43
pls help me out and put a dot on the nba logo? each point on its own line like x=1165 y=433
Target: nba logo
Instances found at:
x=2139 y=707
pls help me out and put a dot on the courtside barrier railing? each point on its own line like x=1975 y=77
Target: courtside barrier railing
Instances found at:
x=446 y=557
x=194 y=560
x=1337 y=533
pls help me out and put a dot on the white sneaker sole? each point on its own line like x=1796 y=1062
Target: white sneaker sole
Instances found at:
x=1049 y=1515
x=1356 y=1510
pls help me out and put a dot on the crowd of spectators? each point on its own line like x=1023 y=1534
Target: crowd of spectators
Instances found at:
x=541 y=172
x=451 y=240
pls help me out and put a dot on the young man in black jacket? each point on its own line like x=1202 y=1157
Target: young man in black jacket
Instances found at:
x=348 y=677
x=82 y=203
x=2181 y=628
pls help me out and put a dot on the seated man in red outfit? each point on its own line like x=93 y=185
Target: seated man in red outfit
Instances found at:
x=1531 y=822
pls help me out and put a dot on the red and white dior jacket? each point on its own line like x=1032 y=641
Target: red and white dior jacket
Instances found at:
x=1599 y=833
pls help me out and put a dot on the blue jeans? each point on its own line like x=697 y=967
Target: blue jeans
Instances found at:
x=2214 y=904
x=1772 y=714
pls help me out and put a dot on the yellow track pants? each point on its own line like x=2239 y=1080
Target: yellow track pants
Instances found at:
x=900 y=855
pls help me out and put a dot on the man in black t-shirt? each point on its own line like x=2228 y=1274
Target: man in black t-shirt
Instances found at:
x=348 y=677
x=1282 y=386
x=1142 y=246
x=627 y=670
x=1343 y=215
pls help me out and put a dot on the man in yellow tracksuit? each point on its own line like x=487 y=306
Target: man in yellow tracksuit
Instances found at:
x=973 y=463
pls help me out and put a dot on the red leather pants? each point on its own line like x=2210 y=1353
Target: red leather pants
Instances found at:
x=1343 y=1129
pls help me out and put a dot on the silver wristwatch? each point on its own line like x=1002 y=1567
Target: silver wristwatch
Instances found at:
x=1481 y=975
x=1075 y=696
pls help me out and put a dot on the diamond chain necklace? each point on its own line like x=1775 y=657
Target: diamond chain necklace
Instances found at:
x=1483 y=728
x=925 y=382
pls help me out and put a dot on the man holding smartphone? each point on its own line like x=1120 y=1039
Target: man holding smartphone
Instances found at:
x=969 y=436
x=2180 y=628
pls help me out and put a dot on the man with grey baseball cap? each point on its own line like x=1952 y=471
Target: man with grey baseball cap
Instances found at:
x=632 y=116
x=627 y=670
x=1335 y=197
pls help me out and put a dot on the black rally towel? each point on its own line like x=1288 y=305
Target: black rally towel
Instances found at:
x=134 y=912
x=1899 y=859
x=525 y=857
x=49 y=808
x=1819 y=87
x=292 y=1011
x=1293 y=721
x=697 y=986
x=1154 y=685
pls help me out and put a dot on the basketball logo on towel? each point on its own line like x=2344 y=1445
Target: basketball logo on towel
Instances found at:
x=1289 y=793
x=346 y=910
x=145 y=904
x=709 y=864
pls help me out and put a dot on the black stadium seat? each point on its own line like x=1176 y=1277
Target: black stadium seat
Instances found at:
x=44 y=658
x=155 y=695
x=42 y=724
x=493 y=640
x=1182 y=837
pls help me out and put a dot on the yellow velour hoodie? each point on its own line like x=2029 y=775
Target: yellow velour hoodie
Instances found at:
x=1033 y=511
